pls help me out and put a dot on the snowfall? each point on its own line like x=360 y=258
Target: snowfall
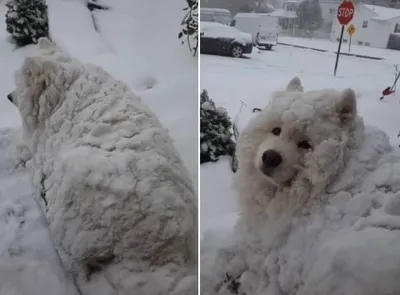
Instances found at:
x=239 y=85
x=137 y=42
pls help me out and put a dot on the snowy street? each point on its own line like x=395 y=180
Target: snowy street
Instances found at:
x=125 y=41
x=251 y=80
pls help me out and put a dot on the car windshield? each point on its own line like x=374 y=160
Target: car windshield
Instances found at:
x=224 y=19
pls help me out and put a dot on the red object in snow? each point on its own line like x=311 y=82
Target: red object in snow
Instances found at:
x=387 y=91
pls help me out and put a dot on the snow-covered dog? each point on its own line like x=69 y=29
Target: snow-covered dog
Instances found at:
x=319 y=199
x=119 y=202
x=296 y=147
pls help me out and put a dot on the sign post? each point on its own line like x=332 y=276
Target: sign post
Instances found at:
x=344 y=15
x=351 y=30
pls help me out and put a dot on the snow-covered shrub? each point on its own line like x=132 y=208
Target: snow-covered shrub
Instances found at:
x=27 y=20
x=215 y=131
x=190 y=25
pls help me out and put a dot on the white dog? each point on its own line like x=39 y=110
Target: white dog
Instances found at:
x=319 y=199
x=119 y=202
x=294 y=148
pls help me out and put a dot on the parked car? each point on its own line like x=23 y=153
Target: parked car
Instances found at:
x=217 y=15
x=221 y=39
x=263 y=27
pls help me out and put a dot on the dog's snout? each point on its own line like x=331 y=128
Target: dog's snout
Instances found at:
x=271 y=159
x=9 y=96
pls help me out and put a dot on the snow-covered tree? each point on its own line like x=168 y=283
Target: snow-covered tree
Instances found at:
x=215 y=131
x=309 y=15
x=27 y=20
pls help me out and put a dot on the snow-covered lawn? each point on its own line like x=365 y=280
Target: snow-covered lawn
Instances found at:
x=137 y=42
x=251 y=80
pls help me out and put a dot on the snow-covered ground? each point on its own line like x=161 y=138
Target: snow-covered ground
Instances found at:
x=137 y=42
x=230 y=81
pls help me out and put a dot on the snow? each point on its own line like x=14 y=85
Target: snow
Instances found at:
x=220 y=10
x=125 y=46
x=383 y=13
x=388 y=56
x=231 y=82
x=80 y=31
x=217 y=30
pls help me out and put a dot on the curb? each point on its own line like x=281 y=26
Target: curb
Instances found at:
x=335 y=52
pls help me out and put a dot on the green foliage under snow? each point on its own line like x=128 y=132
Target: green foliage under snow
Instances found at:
x=215 y=131
x=27 y=21
x=190 y=26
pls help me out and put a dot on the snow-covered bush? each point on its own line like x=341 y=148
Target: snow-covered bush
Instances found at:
x=190 y=25
x=27 y=20
x=215 y=131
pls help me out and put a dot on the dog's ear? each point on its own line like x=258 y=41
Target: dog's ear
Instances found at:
x=346 y=106
x=32 y=71
x=40 y=75
x=294 y=85
x=37 y=71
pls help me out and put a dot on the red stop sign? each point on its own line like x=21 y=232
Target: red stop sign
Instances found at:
x=345 y=12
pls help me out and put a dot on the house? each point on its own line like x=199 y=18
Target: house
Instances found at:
x=288 y=14
x=329 y=10
x=376 y=26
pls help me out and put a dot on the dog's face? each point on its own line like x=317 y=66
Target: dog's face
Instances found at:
x=299 y=132
x=39 y=82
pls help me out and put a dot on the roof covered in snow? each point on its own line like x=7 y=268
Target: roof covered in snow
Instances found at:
x=284 y=13
x=210 y=9
x=383 y=13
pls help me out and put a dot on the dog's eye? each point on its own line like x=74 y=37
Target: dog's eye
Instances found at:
x=304 y=145
x=276 y=131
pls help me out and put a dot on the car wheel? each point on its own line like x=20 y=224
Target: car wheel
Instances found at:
x=237 y=50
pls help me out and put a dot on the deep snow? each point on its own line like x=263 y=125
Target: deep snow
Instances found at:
x=251 y=80
x=130 y=46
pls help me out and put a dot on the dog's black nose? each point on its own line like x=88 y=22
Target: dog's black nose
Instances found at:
x=9 y=96
x=271 y=159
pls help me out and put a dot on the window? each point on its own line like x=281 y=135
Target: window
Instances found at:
x=360 y=43
x=397 y=28
x=331 y=10
x=367 y=44
x=365 y=24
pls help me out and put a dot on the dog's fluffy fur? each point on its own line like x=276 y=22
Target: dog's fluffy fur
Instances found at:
x=119 y=202
x=324 y=219
x=318 y=129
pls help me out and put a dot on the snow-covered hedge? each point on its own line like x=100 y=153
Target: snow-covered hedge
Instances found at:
x=215 y=131
x=190 y=25
x=27 y=21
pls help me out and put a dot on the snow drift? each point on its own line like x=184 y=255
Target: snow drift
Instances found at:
x=346 y=242
x=119 y=202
